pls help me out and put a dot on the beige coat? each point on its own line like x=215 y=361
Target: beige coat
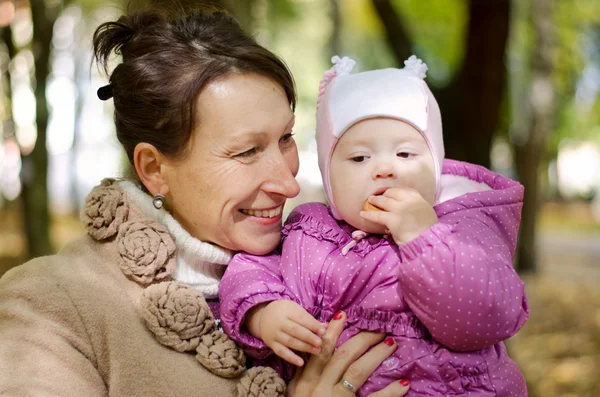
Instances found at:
x=72 y=324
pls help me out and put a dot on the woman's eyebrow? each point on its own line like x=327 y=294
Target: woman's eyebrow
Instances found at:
x=287 y=126
x=247 y=135
x=291 y=122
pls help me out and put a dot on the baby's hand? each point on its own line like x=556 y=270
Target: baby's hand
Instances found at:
x=284 y=326
x=406 y=214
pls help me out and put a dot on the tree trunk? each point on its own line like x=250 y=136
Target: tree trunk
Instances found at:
x=474 y=98
x=8 y=128
x=532 y=143
x=471 y=103
x=396 y=34
x=336 y=29
x=35 y=165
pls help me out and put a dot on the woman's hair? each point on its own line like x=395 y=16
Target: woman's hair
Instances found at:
x=167 y=61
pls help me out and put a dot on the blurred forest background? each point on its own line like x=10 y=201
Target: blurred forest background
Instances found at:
x=518 y=83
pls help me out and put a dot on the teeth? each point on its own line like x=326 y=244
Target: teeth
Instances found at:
x=264 y=213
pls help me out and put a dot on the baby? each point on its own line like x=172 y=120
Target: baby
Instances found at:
x=410 y=245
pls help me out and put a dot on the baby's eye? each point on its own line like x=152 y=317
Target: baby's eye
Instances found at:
x=358 y=159
x=403 y=155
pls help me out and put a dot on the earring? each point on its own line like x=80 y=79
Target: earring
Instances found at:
x=158 y=201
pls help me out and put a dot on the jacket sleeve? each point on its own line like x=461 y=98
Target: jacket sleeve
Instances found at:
x=44 y=350
x=459 y=280
x=248 y=281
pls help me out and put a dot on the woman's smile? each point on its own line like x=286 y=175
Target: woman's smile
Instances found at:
x=265 y=216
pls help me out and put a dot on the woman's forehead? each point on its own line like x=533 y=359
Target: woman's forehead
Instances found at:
x=244 y=99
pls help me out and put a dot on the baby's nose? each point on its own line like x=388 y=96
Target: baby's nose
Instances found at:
x=384 y=170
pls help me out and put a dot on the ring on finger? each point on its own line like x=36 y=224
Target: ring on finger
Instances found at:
x=348 y=385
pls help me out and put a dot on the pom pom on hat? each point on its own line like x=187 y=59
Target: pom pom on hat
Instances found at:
x=416 y=67
x=342 y=66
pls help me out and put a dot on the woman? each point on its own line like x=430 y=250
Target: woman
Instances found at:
x=205 y=116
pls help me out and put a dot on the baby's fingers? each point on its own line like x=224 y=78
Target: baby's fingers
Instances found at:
x=296 y=331
x=305 y=320
x=296 y=344
x=288 y=355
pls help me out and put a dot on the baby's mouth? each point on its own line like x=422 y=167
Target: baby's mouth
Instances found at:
x=379 y=191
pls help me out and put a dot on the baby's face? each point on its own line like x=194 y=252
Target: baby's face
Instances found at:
x=374 y=155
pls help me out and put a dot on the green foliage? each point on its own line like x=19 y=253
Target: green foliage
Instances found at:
x=574 y=22
x=436 y=28
x=279 y=13
x=298 y=32
x=578 y=23
x=92 y=5
x=363 y=36
x=573 y=19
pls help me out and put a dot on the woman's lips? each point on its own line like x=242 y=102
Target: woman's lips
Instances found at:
x=264 y=213
x=266 y=216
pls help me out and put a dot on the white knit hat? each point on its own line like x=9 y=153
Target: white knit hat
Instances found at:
x=345 y=99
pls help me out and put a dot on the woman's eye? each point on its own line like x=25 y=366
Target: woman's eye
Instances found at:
x=247 y=153
x=403 y=155
x=359 y=159
x=287 y=138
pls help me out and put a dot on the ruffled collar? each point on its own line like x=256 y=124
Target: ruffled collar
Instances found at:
x=198 y=264
x=344 y=236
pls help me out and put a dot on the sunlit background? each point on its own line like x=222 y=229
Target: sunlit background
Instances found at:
x=559 y=349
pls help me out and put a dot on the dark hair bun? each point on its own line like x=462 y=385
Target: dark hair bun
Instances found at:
x=105 y=93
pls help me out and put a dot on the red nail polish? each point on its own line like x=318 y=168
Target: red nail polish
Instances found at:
x=405 y=382
x=389 y=341
x=338 y=315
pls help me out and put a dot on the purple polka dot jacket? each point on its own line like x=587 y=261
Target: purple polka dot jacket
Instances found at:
x=449 y=297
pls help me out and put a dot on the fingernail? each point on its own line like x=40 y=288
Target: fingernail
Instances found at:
x=389 y=341
x=322 y=331
x=338 y=315
x=404 y=382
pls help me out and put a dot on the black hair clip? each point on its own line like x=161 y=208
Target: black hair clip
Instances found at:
x=106 y=92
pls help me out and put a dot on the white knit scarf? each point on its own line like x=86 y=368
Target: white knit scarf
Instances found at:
x=200 y=265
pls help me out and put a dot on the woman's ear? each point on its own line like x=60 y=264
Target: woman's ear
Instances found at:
x=149 y=165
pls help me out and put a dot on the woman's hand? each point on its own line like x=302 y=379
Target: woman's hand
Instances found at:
x=325 y=373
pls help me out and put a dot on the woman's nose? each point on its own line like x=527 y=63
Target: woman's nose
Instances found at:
x=282 y=177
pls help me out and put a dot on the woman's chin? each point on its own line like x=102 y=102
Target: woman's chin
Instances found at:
x=261 y=245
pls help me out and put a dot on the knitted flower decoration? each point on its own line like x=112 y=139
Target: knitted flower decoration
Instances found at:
x=261 y=382
x=104 y=210
x=176 y=314
x=146 y=250
x=221 y=355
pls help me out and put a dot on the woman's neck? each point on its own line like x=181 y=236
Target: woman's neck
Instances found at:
x=199 y=264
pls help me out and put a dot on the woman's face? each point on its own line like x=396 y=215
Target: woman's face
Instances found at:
x=240 y=165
